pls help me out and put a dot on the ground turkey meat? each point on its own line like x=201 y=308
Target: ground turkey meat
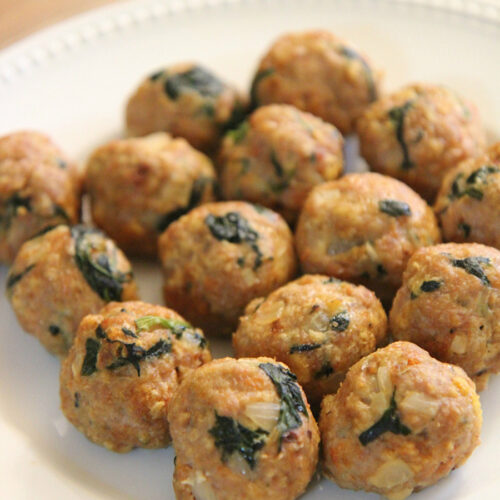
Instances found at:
x=317 y=72
x=418 y=134
x=139 y=186
x=400 y=422
x=318 y=326
x=363 y=228
x=219 y=257
x=122 y=370
x=449 y=304
x=188 y=101
x=61 y=276
x=242 y=429
x=276 y=157
x=39 y=188
x=468 y=204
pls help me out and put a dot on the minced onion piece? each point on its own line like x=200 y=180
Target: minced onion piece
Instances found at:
x=263 y=414
x=200 y=487
x=418 y=402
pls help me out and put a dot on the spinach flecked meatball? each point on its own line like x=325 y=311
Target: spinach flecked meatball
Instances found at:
x=122 y=370
x=59 y=277
x=242 y=429
x=449 y=304
x=318 y=326
x=188 y=101
x=418 y=134
x=277 y=156
x=363 y=228
x=139 y=186
x=219 y=257
x=39 y=188
x=468 y=204
x=317 y=72
x=400 y=421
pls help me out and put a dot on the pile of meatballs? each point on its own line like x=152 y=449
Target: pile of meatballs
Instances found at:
x=340 y=298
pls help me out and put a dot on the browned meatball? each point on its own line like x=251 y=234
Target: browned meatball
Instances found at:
x=39 y=188
x=364 y=228
x=63 y=275
x=317 y=72
x=122 y=370
x=449 y=304
x=418 y=134
x=139 y=186
x=219 y=257
x=468 y=204
x=277 y=156
x=400 y=422
x=318 y=326
x=242 y=429
x=188 y=101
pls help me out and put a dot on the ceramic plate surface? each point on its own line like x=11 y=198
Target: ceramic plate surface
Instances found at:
x=72 y=80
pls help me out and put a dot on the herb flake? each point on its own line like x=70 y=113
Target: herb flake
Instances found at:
x=388 y=422
x=254 y=98
x=394 y=208
x=303 y=348
x=195 y=79
x=350 y=53
x=13 y=279
x=339 y=322
x=430 y=285
x=397 y=116
x=89 y=365
x=291 y=402
x=232 y=437
x=95 y=265
x=473 y=266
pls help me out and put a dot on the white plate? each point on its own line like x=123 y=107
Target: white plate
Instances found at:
x=72 y=80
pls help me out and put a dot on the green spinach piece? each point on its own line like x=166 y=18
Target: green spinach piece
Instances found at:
x=232 y=437
x=13 y=279
x=472 y=265
x=340 y=322
x=96 y=267
x=397 y=115
x=394 y=208
x=157 y=75
x=195 y=79
x=471 y=186
x=370 y=82
x=430 y=285
x=325 y=371
x=129 y=333
x=388 y=422
x=146 y=323
x=89 y=365
x=238 y=115
x=10 y=208
x=303 y=348
x=135 y=354
x=291 y=404
x=254 y=98
x=465 y=228
x=238 y=134
x=234 y=228
x=54 y=330
x=195 y=198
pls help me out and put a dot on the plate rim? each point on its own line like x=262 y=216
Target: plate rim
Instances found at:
x=50 y=43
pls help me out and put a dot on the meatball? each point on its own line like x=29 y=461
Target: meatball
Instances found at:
x=63 y=275
x=318 y=326
x=317 y=72
x=363 y=228
x=139 y=186
x=188 y=101
x=400 y=422
x=122 y=370
x=242 y=429
x=39 y=188
x=277 y=156
x=418 y=134
x=449 y=304
x=219 y=257
x=468 y=204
